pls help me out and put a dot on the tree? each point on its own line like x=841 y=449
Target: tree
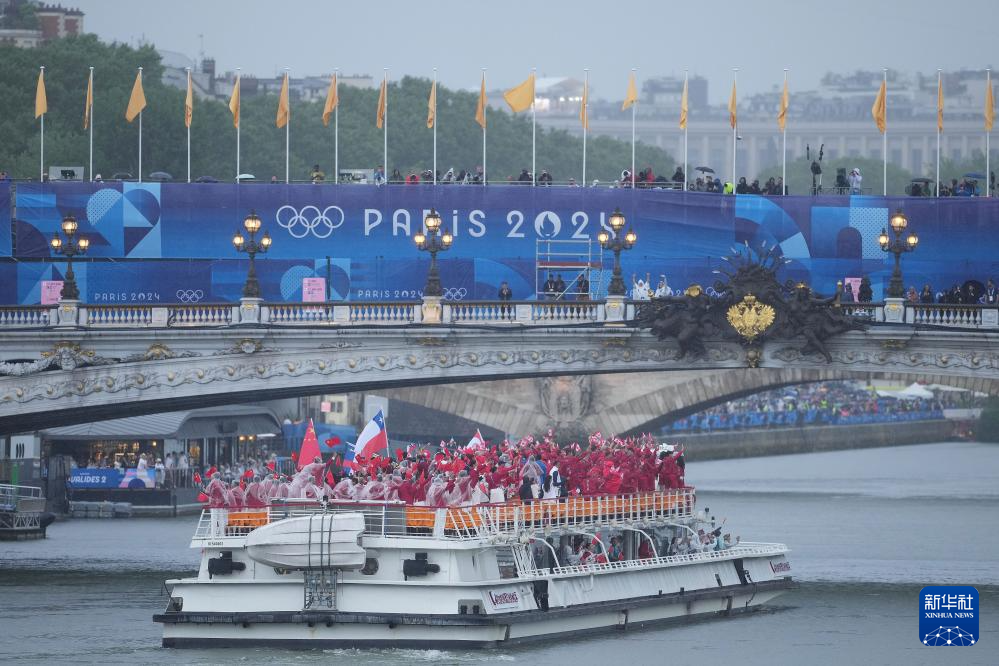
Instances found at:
x=213 y=138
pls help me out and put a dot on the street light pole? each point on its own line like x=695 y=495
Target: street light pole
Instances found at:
x=72 y=247
x=433 y=241
x=251 y=247
x=897 y=245
x=616 y=245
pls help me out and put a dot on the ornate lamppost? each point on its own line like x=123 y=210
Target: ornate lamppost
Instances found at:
x=71 y=247
x=433 y=241
x=616 y=244
x=897 y=246
x=251 y=247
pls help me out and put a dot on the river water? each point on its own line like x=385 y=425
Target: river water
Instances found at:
x=867 y=529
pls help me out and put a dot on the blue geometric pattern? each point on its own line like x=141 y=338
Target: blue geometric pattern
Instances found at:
x=953 y=636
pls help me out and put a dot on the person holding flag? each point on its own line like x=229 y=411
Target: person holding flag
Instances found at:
x=372 y=439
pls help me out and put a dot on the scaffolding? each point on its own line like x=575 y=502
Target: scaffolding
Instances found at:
x=572 y=261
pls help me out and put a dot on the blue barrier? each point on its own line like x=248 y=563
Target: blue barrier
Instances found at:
x=171 y=242
x=754 y=419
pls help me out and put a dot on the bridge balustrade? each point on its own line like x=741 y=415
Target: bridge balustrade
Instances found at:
x=359 y=313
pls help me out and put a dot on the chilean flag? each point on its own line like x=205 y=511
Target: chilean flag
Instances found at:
x=371 y=440
x=477 y=441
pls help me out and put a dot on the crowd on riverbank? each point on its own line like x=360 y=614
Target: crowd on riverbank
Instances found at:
x=527 y=469
x=827 y=403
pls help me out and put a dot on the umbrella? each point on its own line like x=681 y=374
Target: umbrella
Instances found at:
x=705 y=169
x=160 y=175
x=922 y=180
x=246 y=176
x=205 y=179
x=975 y=176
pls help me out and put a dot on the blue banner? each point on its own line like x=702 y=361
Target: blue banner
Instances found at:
x=6 y=232
x=172 y=242
x=107 y=477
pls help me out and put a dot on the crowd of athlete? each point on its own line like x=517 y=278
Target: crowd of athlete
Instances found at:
x=529 y=469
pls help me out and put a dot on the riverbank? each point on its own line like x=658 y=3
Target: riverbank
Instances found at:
x=810 y=439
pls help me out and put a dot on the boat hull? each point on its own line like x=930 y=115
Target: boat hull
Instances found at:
x=340 y=629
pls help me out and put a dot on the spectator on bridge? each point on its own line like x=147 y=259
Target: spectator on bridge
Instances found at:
x=912 y=296
x=479 y=178
x=991 y=295
x=847 y=293
x=583 y=287
x=559 y=285
x=678 y=176
x=396 y=176
x=549 y=287
x=640 y=288
x=505 y=293
x=525 y=177
x=545 y=178
x=742 y=187
x=865 y=294
x=855 y=180
x=379 y=175
x=662 y=289
x=317 y=176
x=926 y=295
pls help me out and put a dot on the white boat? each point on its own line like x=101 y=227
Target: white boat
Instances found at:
x=354 y=574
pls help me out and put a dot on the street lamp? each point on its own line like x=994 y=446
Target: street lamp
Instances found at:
x=433 y=241
x=616 y=244
x=72 y=247
x=251 y=247
x=897 y=246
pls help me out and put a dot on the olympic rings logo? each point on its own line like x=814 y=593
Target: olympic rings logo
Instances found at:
x=309 y=220
x=454 y=293
x=190 y=295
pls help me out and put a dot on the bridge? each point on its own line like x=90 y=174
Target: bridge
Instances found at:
x=77 y=363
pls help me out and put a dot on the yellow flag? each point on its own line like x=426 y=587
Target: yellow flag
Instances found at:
x=432 y=106
x=137 y=101
x=382 y=101
x=284 y=108
x=90 y=100
x=332 y=99
x=733 y=118
x=584 y=117
x=940 y=104
x=189 y=102
x=632 y=95
x=990 y=105
x=41 y=102
x=782 y=113
x=520 y=98
x=879 y=110
x=683 y=106
x=234 y=103
x=480 y=108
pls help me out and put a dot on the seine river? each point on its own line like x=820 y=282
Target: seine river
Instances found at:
x=867 y=530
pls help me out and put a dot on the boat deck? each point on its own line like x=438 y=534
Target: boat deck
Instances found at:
x=481 y=521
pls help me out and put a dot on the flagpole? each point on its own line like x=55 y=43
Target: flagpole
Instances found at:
x=90 y=111
x=238 y=83
x=735 y=130
x=936 y=187
x=686 y=78
x=884 y=140
x=385 y=170
x=41 y=155
x=189 y=131
x=534 y=130
x=783 y=171
x=484 y=178
x=988 y=174
x=336 y=129
x=633 y=110
x=586 y=83
x=287 y=134
x=435 y=125
x=140 y=133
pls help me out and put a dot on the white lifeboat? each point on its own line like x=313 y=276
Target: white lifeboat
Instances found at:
x=320 y=541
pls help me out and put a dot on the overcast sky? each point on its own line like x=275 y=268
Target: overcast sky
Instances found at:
x=561 y=37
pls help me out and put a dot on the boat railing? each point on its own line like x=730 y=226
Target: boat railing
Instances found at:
x=24 y=498
x=744 y=549
x=398 y=519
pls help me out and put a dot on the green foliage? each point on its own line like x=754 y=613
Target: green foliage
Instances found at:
x=988 y=425
x=799 y=175
x=213 y=138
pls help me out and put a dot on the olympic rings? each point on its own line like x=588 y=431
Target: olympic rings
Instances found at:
x=455 y=293
x=190 y=295
x=309 y=219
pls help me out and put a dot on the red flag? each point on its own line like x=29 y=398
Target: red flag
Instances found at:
x=310 y=447
x=400 y=454
x=271 y=465
x=294 y=455
x=202 y=497
x=333 y=441
x=330 y=479
x=248 y=474
x=211 y=471
x=197 y=478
